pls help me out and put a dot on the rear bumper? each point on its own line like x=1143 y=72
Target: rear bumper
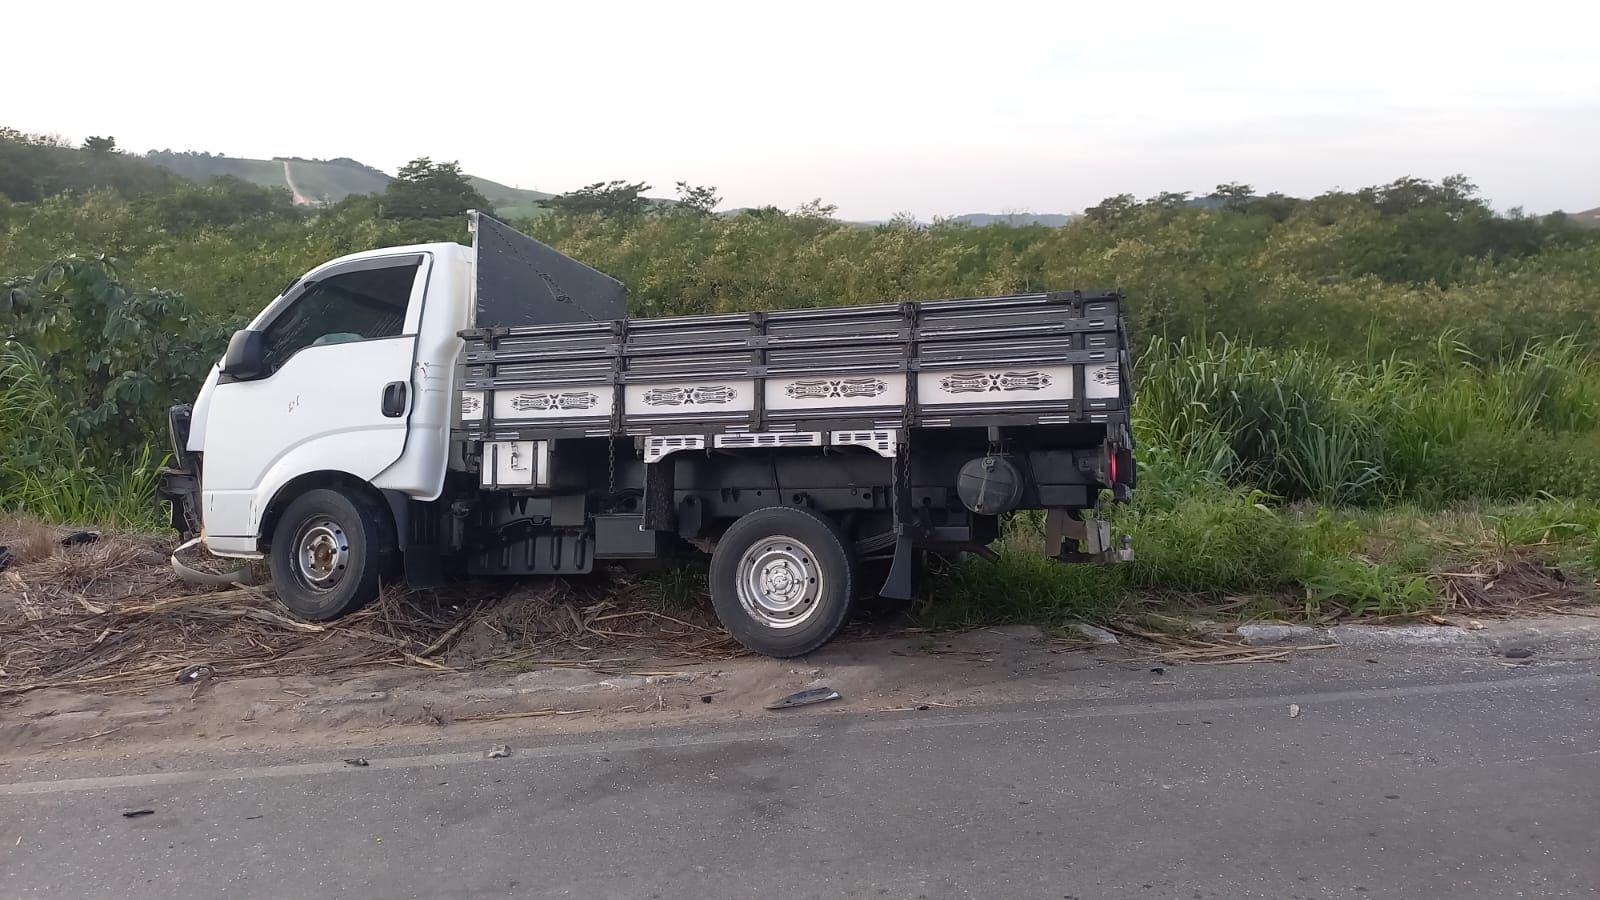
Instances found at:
x=1071 y=538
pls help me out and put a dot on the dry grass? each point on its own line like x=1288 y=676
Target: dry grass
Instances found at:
x=111 y=615
x=1511 y=584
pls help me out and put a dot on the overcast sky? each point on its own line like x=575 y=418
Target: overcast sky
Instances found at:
x=926 y=107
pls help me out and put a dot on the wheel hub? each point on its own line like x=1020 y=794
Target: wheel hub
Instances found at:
x=779 y=582
x=322 y=554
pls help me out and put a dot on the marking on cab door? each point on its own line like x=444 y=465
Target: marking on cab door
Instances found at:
x=295 y=403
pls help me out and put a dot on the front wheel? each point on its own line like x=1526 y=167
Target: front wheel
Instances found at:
x=329 y=551
x=783 y=581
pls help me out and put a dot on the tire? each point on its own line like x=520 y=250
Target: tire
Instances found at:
x=330 y=551
x=780 y=614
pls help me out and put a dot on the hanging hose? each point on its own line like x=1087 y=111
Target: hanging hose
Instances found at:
x=242 y=576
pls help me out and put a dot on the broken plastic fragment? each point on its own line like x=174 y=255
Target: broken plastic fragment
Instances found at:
x=805 y=698
x=198 y=672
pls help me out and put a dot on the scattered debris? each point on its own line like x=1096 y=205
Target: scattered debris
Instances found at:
x=1211 y=650
x=1158 y=670
x=111 y=614
x=1294 y=710
x=5 y=557
x=705 y=698
x=522 y=714
x=136 y=813
x=805 y=698
x=198 y=672
x=357 y=761
x=1474 y=625
x=498 y=751
x=79 y=538
x=1515 y=583
x=1518 y=652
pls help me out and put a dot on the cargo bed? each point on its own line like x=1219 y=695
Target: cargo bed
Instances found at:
x=1055 y=358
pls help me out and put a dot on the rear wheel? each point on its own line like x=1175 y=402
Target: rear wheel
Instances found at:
x=330 y=551
x=783 y=581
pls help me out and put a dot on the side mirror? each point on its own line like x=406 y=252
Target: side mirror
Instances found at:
x=246 y=356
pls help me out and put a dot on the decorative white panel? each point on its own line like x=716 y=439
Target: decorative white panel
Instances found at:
x=536 y=404
x=841 y=392
x=993 y=384
x=769 y=439
x=472 y=406
x=657 y=447
x=661 y=399
x=1103 y=382
x=884 y=443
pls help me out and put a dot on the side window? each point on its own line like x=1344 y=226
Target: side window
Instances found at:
x=351 y=306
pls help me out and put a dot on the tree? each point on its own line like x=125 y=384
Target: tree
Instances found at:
x=1112 y=210
x=1234 y=196
x=425 y=189
x=101 y=145
x=612 y=199
x=701 y=199
x=815 y=209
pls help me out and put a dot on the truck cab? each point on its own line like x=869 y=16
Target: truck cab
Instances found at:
x=346 y=376
x=440 y=409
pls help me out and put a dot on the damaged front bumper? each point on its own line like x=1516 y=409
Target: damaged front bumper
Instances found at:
x=178 y=485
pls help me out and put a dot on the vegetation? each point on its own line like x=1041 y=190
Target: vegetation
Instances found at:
x=425 y=189
x=1338 y=395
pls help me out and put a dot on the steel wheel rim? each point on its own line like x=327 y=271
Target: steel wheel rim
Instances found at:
x=322 y=554
x=779 y=582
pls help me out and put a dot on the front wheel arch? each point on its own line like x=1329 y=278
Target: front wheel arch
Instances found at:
x=294 y=488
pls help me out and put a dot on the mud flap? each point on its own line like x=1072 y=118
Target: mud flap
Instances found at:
x=416 y=528
x=901 y=582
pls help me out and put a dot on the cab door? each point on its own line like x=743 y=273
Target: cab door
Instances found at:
x=330 y=390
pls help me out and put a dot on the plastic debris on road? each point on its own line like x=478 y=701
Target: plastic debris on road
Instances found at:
x=805 y=698
x=79 y=538
x=193 y=673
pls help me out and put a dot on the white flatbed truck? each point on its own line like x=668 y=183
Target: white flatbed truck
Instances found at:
x=439 y=410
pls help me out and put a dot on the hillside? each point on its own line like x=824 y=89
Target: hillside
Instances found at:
x=1590 y=217
x=327 y=180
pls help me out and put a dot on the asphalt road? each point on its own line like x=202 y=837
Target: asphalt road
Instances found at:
x=1465 y=785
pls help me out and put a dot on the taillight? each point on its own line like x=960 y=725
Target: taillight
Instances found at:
x=1113 y=457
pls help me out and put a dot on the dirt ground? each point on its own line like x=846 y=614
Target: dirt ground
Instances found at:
x=103 y=648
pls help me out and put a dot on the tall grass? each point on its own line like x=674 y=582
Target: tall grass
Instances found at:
x=1301 y=426
x=44 y=469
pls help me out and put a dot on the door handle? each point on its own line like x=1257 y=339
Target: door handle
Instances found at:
x=394 y=399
